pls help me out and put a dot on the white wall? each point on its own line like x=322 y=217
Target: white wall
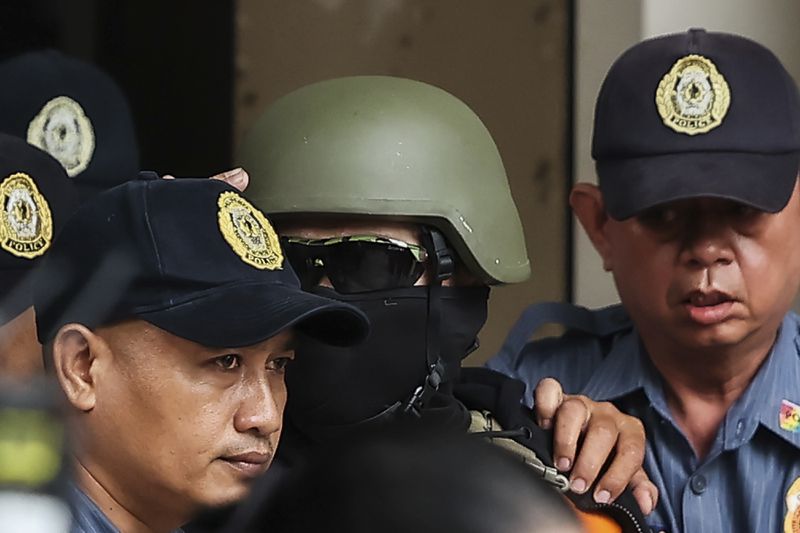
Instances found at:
x=603 y=29
x=606 y=27
x=773 y=23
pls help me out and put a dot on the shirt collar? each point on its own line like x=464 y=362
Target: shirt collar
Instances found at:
x=624 y=370
x=776 y=383
x=87 y=516
x=627 y=368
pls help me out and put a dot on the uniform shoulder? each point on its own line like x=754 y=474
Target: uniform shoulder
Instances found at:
x=572 y=357
x=792 y=321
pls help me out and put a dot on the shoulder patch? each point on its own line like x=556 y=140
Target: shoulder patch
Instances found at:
x=791 y=523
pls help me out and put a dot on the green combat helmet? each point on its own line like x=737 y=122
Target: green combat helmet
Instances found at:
x=377 y=145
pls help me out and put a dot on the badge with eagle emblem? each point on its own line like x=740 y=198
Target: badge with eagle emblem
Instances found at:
x=249 y=233
x=693 y=97
x=63 y=130
x=26 y=224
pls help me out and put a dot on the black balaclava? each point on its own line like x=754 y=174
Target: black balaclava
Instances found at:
x=419 y=335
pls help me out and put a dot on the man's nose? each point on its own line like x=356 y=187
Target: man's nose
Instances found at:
x=261 y=408
x=707 y=241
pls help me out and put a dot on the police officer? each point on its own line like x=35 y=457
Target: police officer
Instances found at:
x=36 y=197
x=390 y=195
x=77 y=114
x=73 y=111
x=697 y=145
x=167 y=312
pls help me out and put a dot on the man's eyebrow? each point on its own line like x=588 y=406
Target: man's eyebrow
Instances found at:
x=291 y=343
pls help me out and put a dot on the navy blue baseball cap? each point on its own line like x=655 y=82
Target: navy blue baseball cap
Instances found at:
x=75 y=112
x=191 y=256
x=36 y=199
x=696 y=114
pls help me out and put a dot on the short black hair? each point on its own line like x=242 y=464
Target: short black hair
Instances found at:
x=407 y=477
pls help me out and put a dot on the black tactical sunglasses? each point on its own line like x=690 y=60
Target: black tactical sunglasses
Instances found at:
x=356 y=263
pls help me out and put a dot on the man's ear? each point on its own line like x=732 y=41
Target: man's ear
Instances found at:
x=75 y=352
x=586 y=201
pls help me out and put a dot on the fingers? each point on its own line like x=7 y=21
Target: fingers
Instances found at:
x=547 y=399
x=644 y=491
x=570 y=420
x=629 y=447
x=236 y=177
x=606 y=432
x=600 y=439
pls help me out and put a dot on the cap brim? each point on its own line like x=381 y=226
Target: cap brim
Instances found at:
x=249 y=313
x=89 y=189
x=763 y=181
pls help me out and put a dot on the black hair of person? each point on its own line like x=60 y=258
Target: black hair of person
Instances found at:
x=401 y=478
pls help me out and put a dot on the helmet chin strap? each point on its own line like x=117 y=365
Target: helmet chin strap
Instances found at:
x=443 y=267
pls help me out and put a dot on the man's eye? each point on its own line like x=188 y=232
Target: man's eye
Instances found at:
x=742 y=211
x=279 y=364
x=228 y=362
x=658 y=217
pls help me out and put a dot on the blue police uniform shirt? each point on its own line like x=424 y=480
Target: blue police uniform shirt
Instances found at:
x=87 y=516
x=742 y=484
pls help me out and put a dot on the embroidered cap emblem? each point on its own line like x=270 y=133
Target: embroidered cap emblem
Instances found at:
x=248 y=232
x=26 y=225
x=693 y=97
x=64 y=131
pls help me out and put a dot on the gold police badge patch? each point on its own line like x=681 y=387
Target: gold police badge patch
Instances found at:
x=26 y=225
x=64 y=131
x=248 y=232
x=791 y=523
x=693 y=97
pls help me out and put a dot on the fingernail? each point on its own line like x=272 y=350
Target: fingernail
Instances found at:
x=646 y=501
x=233 y=172
x=563 y=464
x=578 y=485
x=649 y=504
x=237 y=179
x=546 y=423
x=602 y=496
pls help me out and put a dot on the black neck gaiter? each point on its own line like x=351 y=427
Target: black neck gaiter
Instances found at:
x=333 y=389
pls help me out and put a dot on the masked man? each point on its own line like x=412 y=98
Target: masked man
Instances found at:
x=390 y=195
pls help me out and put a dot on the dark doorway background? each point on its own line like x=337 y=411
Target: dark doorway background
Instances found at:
x=172 y=59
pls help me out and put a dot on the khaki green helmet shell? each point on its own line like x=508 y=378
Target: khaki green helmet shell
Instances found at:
x=378 y=145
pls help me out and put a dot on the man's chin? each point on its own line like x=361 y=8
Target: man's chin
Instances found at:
x=714 y=337
x=224 y=496
x=224 y=489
